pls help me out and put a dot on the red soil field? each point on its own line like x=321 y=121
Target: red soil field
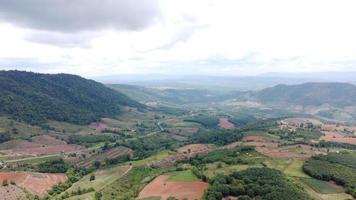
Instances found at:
x=336 y=137
x=180 y=190
x=225 y=123
x=35 y=183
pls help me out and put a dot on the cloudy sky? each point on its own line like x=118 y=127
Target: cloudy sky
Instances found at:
x=213 y=37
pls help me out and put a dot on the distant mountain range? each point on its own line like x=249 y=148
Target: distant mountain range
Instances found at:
x=316 y=94
x=335 y=94
x=35 y=98
x=242 y=83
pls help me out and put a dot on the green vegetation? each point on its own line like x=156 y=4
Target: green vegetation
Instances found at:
x=306 y=134
x=36 y=98
x=228 y=156
x=218 y=137
x=53 y=166
x=255 y=183
x=325 y=144
x=146 y=146
x=185 y=175
x=131 y=184
x=321 y=187
x=337 y=167
x=337 y=94
x=89 y=139
x=209 y=121
x=74 y=175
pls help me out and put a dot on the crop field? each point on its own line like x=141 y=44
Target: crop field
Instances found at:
x=35 y=183
x=186 y=175
x=323 y=187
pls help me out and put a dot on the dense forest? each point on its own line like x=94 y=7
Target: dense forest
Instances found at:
x=35 y=98
x=255 y=183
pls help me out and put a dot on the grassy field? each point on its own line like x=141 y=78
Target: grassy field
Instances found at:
x=295 y=169
x=322 y=187
x=186 y=175
x=103 y=178
x=159 y=156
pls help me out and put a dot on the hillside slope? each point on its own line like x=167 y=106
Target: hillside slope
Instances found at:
x=35 y=98
x=335 y=94
x=174 y=96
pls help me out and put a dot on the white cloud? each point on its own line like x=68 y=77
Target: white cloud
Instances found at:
x=231 y=37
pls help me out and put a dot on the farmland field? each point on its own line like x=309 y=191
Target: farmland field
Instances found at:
x=322 y=187
x=164 y=187
x=35 y=183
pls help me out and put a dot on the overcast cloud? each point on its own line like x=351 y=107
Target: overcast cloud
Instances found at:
x=214 y=37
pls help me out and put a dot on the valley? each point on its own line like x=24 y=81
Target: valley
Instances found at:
x=132 y=142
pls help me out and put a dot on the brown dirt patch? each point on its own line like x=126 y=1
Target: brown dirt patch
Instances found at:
x=232 y=145
x=35 y=183
x=337 y=137
x=47 y=140
x=163 y=188
x=225 y=123
x=13 y=144
x=184 y=152
x=281 y=153
x=40 y=146
x=55 y=149
x=98 y=126
x=259 y=141
x=12 y=192
x=193 y=148
x=274 y=149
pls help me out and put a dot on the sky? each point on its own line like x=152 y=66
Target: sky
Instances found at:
x=200 y=37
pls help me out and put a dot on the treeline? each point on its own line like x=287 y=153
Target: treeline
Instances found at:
x=209 y=121
x=89 y=139
x=218 y=137
x=327 y=144
x=53 y=166
x=228 y=156
x=255 y=183
x=146 y=146
x=35 y=98
x=340 y=168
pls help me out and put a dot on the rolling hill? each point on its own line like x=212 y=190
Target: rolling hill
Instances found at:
x=35 y=98
x=335 y=94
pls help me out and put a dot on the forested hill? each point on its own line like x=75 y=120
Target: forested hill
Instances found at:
x=336 y=94
x=35 y=98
